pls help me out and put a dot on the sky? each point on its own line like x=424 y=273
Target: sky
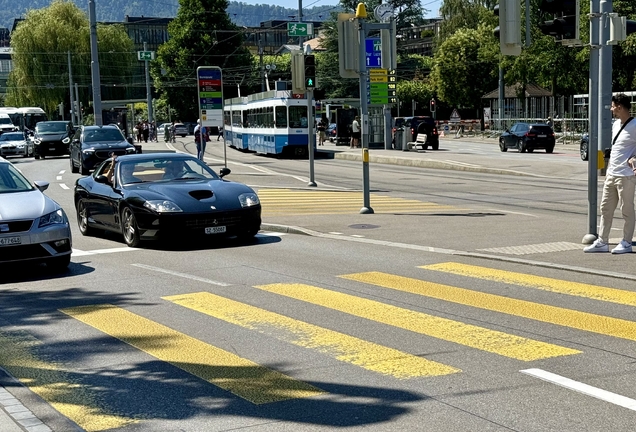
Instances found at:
x=431 y=5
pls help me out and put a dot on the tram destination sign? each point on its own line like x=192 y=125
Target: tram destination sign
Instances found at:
x=210 y=95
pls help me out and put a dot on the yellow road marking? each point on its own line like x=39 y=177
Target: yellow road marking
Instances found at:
x=287 y=201
x=77 y=401
x=228 y=371
x=550 y=314
x=539 y=282
x=343 y=347
x=465 y=334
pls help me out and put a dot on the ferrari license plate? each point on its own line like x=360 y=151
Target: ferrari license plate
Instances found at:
x=8 y=241
x=215 y=230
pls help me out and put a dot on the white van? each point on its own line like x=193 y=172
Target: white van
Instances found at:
x=6 y=125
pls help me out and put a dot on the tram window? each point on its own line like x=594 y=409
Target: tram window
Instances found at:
x=281 y=117
x=269 y=117
x=298 y=116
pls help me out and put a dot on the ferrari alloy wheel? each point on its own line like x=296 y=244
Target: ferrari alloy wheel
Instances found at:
x=82 y=219
x=129 y=227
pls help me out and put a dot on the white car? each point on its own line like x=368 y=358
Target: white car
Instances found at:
x=15 y=144
x=33 y=228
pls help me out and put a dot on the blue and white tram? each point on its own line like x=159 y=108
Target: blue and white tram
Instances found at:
x=270 y=122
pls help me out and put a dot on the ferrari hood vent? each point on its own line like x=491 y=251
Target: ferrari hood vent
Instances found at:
x=201 y=194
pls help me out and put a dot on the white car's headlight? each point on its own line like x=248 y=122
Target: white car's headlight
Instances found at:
x=56 y=217
x=20 y=146
x=66 y=140
x=162 y=206
x=248 y=199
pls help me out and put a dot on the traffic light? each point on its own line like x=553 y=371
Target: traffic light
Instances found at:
x=509 y=29
x=565 y=23
x=298 y=72
x=310 y=71
x=433 y=105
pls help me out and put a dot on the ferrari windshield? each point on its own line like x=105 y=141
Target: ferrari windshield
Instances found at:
x=103 y=134
x=12 y=180
x=164 y=169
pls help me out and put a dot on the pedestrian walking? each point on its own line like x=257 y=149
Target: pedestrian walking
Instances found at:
x=220 y=134
x=200 y=138
x=620 y=179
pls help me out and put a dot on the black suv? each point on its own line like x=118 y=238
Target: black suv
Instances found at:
x=527 y=137
x=52 y=138
x=422 y=124
x=93 y=144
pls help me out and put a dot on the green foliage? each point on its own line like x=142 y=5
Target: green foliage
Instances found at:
x=40 y=60
x=201 y=35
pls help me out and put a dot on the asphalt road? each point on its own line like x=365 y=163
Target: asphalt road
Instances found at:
x=375 y=324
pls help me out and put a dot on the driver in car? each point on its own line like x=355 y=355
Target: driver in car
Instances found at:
x=174 y=169
x=127 y=175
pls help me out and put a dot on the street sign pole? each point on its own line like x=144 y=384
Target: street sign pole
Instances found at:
x=96 y=81
x=311 y=118
x=148 y=92
x=364 y=111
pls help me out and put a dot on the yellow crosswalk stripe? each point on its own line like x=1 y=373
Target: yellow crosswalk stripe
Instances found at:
x=465 y=334
x=289 y=202
x=49 y=380
x=224 y=369
x=343 y=347
x=540 y=312
x=595 y=292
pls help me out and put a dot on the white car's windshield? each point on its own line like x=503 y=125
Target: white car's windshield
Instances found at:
x=12 y=180
x=12 y=137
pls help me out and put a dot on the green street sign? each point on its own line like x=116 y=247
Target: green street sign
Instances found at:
x=145 y=55
x=299 y=29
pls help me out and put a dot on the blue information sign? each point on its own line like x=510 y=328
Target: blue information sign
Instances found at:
x=373 y=48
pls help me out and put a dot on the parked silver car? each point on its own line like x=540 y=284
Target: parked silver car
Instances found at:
x=15 y=144
x=33 y=227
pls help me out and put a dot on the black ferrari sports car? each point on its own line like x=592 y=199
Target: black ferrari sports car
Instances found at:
x=164 y=196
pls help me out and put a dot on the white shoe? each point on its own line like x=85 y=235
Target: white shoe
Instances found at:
x=598 y=246
x=622 y=247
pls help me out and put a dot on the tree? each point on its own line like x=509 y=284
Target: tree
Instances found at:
x=200 y=35
x=465 y=67
x=40 y=56
x=464 y=14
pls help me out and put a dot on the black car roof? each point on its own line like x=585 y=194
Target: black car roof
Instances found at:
x=150 y=156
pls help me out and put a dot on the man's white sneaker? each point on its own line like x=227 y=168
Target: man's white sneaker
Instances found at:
x=598 y=246
x=623 y=247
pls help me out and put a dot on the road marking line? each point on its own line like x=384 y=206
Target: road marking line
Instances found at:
x=580 y=387
x=58 y=178
x=63 y=186
x=342 y=347
x=512 y=212
x=182 y=275
x=595 y=292
x=78 y=253
x=239 y=376
x=62 y=172
x=79 y=401
x=600 y=324
x=493 y=341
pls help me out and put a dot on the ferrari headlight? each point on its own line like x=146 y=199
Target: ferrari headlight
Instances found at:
x=56 y=217
x=162 y=206
x=66 y=140
x=248 y=199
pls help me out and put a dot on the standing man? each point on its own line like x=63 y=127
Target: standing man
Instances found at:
x=620 y=180
x=322 y=127
x=200 y=138
x=355 y=132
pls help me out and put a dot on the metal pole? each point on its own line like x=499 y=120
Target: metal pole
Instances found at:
x=300 y=19
x=592 y=137
x=311 y=118
x=260 y=53
x=528 y=40
x=148 y=93
x=364 y=114
x=79 y=110
x=605 y=78
x=97 y=92
x=70 y=87
x=502 y=95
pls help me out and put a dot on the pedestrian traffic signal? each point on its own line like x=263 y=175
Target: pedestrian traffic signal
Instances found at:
x=433 y=105
x=564 y=25
x=310 y=71
x=509 y=29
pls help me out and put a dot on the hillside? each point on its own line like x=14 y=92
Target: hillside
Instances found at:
x=242 y=14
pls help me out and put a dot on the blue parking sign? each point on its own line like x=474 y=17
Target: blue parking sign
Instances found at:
x=373 y=48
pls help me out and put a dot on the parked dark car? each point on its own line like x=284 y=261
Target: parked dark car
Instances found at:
x=165 y=196
x=52 y=138
x=421 y=124
x=528 y=137
x=585 y=148
x=91 y=145
x=332 y=132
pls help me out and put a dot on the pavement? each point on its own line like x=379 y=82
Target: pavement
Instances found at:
x=556 y=247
